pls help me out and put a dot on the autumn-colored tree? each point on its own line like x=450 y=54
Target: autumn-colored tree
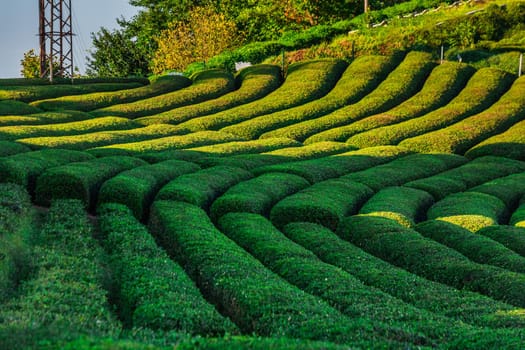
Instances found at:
x=30 y=65
x=206 y=33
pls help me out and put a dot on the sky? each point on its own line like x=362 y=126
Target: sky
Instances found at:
x=19 y=29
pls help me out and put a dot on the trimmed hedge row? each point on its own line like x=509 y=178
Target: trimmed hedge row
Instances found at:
x=64 y=297
x=518 y=216
x=257 y=300
x=97 y=99
x=405 y=205
x=152 y=291
x=400 y=84
x=300 y=267
x=461 y=136
x=24 y=168
x=61 y=129
x=40 y=92
x=324 y=203
x=81 y=180
x=136 y=188
x=444 y=83
x=361 y=77
x=305 y=81
x=201 y=188
x=255 y=83
x=476 y=247
x=481 y=91
x=473 y=173
x=469 y=307
x=101 y=138
x=317 y=150
x=63 y=81
x=196 y=139
x=10 y=107
x=246 y=147
x=512 y=237
x=471 y=210
x=510 y=189
x=11 y=148
x=402 y=170
x=315 y=170
x=16 y=231
x=257 y=195
x=407 y=249
x=510 y=144
x=44 y=118
x=206 y=85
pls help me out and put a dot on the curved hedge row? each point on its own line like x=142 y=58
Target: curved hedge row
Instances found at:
x=444 y=83
x=361 y=77
x=510 y=189
x=518 y=216
x=10 y=107
x=257 y=195
x=40 y=92
x=315 y=170
x=510 y=144
x=405 y=205
x=255 y=83
x=44 y=118
x=75 y=128
x=476 y=247
x=324 y=203
x=471 y=210
x=401 y=83
x=8 y=148
x=461 y=136
x=473 y=173
x=152 y=291
x=469 y=307
x=55 y=304
x=482 y=90
x=406 y=248
x=305 y=81
x=206 y=85
x=317 y=150
x=24 y=168
x=512 y=237
x=257 y=300
x=136 y=188
x=80 y=180
x=246 y=147
x=202 y=187
x=97 y=99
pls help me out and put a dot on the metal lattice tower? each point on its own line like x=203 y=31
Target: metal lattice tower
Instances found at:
x=56 y=39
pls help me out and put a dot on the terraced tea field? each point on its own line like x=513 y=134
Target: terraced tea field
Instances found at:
x=376 y=205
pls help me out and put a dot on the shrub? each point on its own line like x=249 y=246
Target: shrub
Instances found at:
x=483 y=89
x=10 y=107
x=95 y=100
x=44 y=118
x=476 y=247
x=512 y=237
x=444 y=83
x=10 y=148
x=510 y=189
x=80 y=180
x=510 y=144
x=255 y=83
x=363 y=75
x=257 y=195
x=201 y=188
x=152 y=291
x=136 y=188
x=305 y=81
x=518 y=216
x=206 y=85
x=400 y=84
x=245 y=147
x=317 y=150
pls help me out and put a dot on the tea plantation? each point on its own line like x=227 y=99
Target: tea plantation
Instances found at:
x=377 y=204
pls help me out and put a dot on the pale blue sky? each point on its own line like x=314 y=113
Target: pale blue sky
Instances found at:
x=19 y=28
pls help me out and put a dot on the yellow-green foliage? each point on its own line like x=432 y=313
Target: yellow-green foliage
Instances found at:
x=400 y=84
x=256 y=82
x=89 y=101
x=363 y=75
x=443 y=84
x=510 y=144
x=459 y=137
x=316 y=150
x=10 y=107
x=483 y=89
x=206 y=85
x=244 y=147
x=305 y=81
x=44 y=118
x=73 y=128
x=518 y=217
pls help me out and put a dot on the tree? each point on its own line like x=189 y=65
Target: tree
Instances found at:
x=30 y=65
x=205 y=34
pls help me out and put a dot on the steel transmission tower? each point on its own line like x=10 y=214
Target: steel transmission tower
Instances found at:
x=56 y=39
